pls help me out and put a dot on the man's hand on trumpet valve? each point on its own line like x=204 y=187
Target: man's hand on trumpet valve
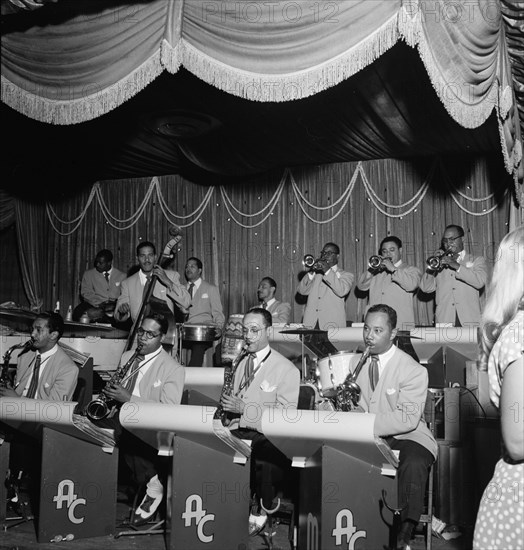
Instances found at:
x=232 y=403
x=450 y=261
x=320 y=266
x=388 y=265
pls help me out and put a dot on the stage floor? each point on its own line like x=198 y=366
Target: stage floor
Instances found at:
x=22 y=536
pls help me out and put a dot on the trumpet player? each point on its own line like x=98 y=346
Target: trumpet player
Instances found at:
x=391 y=281
x=326 y=286
x=457 y=281
x=394 y=387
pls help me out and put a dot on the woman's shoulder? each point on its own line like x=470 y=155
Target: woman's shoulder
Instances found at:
x=510 y=343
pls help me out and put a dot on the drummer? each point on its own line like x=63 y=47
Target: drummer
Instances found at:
x=205 y=309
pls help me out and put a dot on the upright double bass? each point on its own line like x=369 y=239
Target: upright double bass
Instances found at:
x=149 y=301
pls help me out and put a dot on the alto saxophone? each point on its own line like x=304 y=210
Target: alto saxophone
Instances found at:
x=101 y=406
x=5 y=381
x=348 y=394
x=227 y=388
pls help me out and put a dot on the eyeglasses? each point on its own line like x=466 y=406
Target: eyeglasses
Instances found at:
x=327 y=253
x=451 y=239
x=147 y=333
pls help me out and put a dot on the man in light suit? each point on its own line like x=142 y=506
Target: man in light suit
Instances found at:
x=280 y=311
x=264 y=379
x=205 y=308
x=100 y=289
x=396 y=391
x=327 y=287
x=168 y=291
x=154 y=377
x=56 y=374
x=457 y=282
x=393 y=282
x=44 y=372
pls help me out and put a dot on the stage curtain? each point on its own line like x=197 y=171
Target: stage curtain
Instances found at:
x=266 y=226
x=71 y=61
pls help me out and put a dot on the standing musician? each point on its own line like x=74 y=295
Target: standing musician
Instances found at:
x=264 y=379
x=205 y=308
x=394 y=387
x=280 y=311
x=327 y=287
x=154 y=376
x=167 y=291
x=457 y=279
x=392 y=282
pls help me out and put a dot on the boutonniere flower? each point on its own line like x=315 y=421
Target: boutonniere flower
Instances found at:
x=205 y=295
x=266 y=387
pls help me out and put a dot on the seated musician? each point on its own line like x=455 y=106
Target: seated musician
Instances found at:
x=44 y=371
x=205 y=308
x=264 y=379
x=100 y=289
x=153 y=376
x=167 y=291
x=280 y=311
x=394 y=387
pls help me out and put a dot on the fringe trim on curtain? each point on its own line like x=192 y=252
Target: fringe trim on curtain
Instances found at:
x=171 y=56
x=83 y=108
x=468 y=116
x=289 y=86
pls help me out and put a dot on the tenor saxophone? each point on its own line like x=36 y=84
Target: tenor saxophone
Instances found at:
x=101 y=406
x=227 y=388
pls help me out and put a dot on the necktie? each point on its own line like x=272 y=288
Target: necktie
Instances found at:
x=373 y=372
x=106 y=275
x=191 y=287
x=31 y=392
x=264 y=305
x=148 y=280
x=131 y=381
x=250 y=365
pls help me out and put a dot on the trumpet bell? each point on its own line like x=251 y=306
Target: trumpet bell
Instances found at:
x=308 y=260
x=433 y=262
x=374 y=262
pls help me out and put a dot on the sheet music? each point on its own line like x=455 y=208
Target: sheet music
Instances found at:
x=105 y=436
x=234 y=442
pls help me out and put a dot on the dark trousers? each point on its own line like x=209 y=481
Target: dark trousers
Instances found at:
x=414 y=463
x=269 y=466
x=198 y=350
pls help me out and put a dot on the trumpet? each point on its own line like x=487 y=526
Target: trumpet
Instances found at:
x=5 y=381
x=375 y=262
x=102 y=406
x=309 y=261
x=435 y=262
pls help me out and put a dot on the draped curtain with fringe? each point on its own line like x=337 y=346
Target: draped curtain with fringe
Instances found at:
x=265 y=226
x=73 y=63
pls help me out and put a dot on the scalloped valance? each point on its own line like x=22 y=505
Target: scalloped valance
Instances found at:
x=90 y=57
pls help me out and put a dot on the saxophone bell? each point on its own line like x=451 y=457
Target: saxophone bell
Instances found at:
x=102 y=406
x=348 y=394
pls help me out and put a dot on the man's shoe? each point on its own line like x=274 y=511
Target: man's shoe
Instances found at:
x=146 y=510
x=256 y=524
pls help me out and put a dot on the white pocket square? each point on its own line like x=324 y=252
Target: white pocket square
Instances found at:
x=391 y=391
x=117 y=283
x=469 y=264
x=46 y=385
x=157 y=383
x=266 y=387
x=205 y=295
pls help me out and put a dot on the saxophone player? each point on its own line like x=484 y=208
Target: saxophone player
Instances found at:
x=44 y=371
x=154 y=377
x=394 y=387
x=264 y=379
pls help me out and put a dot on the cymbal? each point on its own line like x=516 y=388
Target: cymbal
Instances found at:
x=304 y=331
